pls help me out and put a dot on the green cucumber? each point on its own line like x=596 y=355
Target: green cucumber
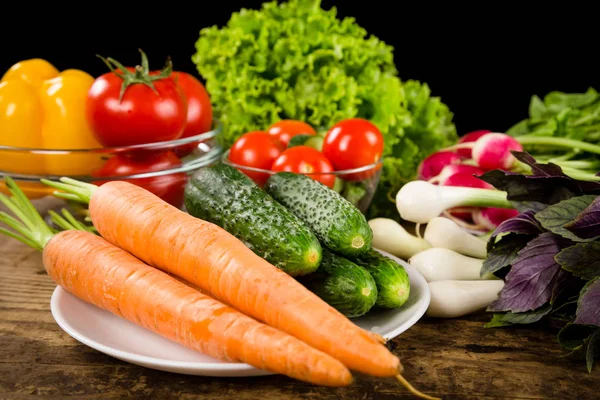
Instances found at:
x=298 y=140
x=393 y=283
x=228 y=198
x=339 y=225
x=316 y=142
x=342 y=284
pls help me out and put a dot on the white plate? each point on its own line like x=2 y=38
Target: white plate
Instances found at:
x=126 y=341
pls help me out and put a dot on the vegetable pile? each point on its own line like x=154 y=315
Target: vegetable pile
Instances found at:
x=347 y=158
x=549 y=254
x=193 y=282
x=128 y=106
x=295 y=60
x=563 y=128
x=307 y=230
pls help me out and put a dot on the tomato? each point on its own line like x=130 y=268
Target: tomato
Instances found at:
x=199 y=109
x=306 y=160
x=286 y=129
x=255 y=149
x=140 y=114
x=354 y=143
x=169 y=187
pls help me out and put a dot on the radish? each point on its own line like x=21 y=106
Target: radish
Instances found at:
x=465 y=179
x=445 y=233
x=451 y=299
x=493 y=151
x=391 y=237
x=450 y=170
x=439 y=264
x=420 y=201
x=432 y=165
x=470 y=137
x=489 y=218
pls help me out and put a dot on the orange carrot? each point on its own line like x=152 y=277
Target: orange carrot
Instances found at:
x=211 y=258
x=102 y=274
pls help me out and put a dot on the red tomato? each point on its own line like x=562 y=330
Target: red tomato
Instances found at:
x=199 y=109
x=168 y=187
x=353 y=143
x=255 y=149
x=306 y=160
x=141 y=115
x=286 y=129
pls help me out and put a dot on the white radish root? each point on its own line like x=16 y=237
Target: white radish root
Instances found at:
x=445 y=233
x=439 y=264
x=451 y=299
x=391 y=237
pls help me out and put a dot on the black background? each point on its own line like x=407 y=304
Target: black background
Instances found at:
x=484 y=59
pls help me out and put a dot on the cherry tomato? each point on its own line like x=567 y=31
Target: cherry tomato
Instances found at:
x=306 y=160
x=140 y=115
x=354 y=143
x=255 y=149
x=286 y=129
x=199 y=109
x=169 y=187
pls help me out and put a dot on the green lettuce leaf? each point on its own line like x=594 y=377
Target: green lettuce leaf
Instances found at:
x=295 y=60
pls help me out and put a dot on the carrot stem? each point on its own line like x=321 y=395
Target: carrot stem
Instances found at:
x=78 y=191
x=414 y=391
x=29 y=225
x=20 y=238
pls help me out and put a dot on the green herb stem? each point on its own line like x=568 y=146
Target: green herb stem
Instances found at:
x=27 y=225
x=475 y=197
x=559 y=142
x=72 y=189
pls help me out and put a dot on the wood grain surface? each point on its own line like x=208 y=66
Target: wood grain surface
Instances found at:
x=453 y=359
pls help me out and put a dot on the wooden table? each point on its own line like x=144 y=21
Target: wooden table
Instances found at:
x=454 y=359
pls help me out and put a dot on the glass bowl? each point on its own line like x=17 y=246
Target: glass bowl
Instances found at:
x=355 y=185
x=163 y=167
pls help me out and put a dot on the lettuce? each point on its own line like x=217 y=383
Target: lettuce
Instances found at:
x=296 y=60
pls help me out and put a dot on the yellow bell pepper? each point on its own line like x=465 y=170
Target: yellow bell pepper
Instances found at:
x=41 y=108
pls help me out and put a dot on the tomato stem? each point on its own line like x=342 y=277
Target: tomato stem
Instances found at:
x=141 y=74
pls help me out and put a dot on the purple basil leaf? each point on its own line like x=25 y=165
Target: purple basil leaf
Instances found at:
x=555 y=217
x=530 y=317
x=529 y=188
x=587 y=224
x=561 y=284
x=588 y=305
x=531 y=279
x=582 y=260
x=502 y=253
x=593 y=350
x=554 y=170
x=538 y=169
x=523 y=224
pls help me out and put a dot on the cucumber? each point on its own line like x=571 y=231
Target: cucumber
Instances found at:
x=228 y=198
x=393 y=283
x=314 y=141
x=342 y=284
x=298 y=140
x=339 y=225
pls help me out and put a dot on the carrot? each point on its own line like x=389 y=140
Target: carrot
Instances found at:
x=102 y=274
x=219 y=264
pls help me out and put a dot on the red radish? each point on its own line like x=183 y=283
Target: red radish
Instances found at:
x=470 y=137
x=493 y=151
x=432 y=165
x=465 y=179
x=489 y=218
x=453 y=169
x=463 y=213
